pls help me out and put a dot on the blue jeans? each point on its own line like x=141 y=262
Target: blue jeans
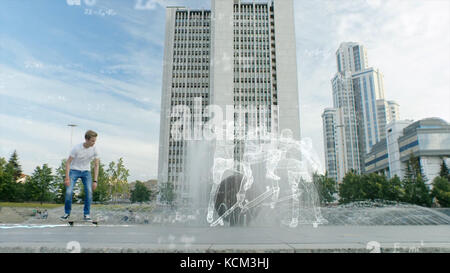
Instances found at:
x=86 y=178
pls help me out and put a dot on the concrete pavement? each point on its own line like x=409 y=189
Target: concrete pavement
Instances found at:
x=155 y=238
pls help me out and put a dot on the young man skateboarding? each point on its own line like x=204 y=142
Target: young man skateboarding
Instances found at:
x=78 y=165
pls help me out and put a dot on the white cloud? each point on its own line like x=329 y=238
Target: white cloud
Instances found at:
x=81 y=93
x=122 y=103
x=408 y=41
x=46 y=105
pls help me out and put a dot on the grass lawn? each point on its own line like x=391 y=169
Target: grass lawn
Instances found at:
x=30 y=205
x=97 y=206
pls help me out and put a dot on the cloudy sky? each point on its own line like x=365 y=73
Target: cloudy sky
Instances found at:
x=98 y=64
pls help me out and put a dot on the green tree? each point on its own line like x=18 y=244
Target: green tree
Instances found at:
x=101 y=193
x=326 y=188
x=10 y=190
x=444 y=172
x=372 y=186
x=441 y=191
x=394 y=190
x=140 y=193
x=413 y=167
x=422 y=196
x=2 y=165
x=378 y=187
x=414 y=184
x=350 y=189
x=19 y=193
x=5 y=181
x=14 y=166
x=59 y=177
x=39 y=186
x=118 y=180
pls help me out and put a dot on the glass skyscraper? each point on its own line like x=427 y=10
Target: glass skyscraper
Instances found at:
x=358 y=93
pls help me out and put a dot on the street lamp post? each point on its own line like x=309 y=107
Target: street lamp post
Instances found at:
x=71 y=133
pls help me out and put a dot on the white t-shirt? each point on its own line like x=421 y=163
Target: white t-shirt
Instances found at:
x=82 y=157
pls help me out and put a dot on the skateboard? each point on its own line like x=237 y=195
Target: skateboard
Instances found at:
x=72 y=222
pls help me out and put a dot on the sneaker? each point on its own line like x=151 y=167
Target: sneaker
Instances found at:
x=65 y=217
x=87 y=218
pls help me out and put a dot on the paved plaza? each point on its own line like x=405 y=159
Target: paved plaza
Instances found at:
x=156 y=238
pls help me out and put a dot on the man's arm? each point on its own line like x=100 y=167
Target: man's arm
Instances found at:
x=67 y=179
x=96 y=165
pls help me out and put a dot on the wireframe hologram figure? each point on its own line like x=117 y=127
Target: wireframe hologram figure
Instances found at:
x=300 y=174
x=224 y=161
x=277 y=154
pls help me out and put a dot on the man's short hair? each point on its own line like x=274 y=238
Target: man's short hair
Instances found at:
x=89 y=134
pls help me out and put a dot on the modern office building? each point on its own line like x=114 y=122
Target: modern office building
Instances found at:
x=186 y=80
x=387 y=112
x=238 y=55
x=394 y=130
x=392 y=111
x=368 y=87
x=358 y=91
x=343 y=99
x=351 y=57
x=334 y=144
x=428 y=139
